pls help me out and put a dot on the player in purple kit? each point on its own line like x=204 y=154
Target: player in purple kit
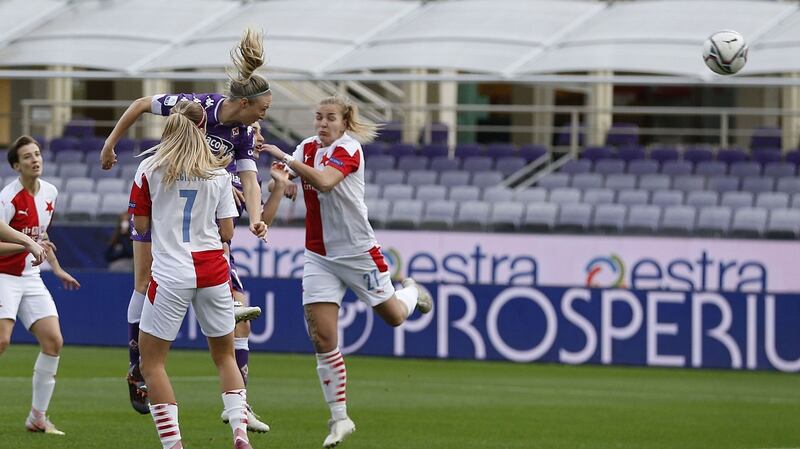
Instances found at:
x=227 y=133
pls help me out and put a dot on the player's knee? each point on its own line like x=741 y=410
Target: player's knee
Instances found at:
x=5 y=342
x=323 y=343
x=395 y=320
x=52 y=344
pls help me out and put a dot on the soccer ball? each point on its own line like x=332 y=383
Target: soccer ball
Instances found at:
x=725 y=52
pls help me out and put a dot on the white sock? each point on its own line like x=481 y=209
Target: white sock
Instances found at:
x=44 y=381
x=333 y=380
x=165 y=417
x=241 y=343
x=135 y=306
x=235 y=402
x=408 y=296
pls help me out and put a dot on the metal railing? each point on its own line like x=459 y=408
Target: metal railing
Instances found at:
x=716 y=126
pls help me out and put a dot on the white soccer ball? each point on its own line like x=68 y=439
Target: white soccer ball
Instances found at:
x=725 y=52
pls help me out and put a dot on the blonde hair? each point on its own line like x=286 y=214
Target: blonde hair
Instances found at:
x=183 y=150
x=248 y=56
x=362 y=131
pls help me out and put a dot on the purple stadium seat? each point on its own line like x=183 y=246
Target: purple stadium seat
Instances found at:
x=402 y=149
x=677 y=168
x=443 y=163
x=696 y=155
x=498 y=150
x=766 y=156
x=643 y=167
x=575 y=166
x=125 y=145
x=623 y=134
x=477 y=163
x=766 y=137
x=711 y=168
x=629 y=154
x=64 y=143
x=434 y=150
x=609 y=166
x=663 y=154
x=79 y=128
x=745 y=168
x=510 y=164
x=532 y=152
x=146 y=144
x=68 y=156
x=731 y=155
x=380 y=162
x=468 y=149
x=779 y=169
x=92 y=144
x=793 y=157
x=438 y=133
x=596 y=153
x=412 y=163
x=391 y=132
x=375 y=148
x=564 y=135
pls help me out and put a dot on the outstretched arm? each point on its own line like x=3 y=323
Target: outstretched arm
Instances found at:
x=107 y=156
x=324 y=180
x=15 y=241
x=280 y=179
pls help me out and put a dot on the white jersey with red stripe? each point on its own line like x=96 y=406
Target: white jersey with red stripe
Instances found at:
x=187 y=250
x=29 y=214
x=336 y=221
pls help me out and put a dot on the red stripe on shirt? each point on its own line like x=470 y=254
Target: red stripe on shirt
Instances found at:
x=377 y=257
x=140 y=202
x=25 y=220
x=314 y=240
x=210 y=267
x=341 y=160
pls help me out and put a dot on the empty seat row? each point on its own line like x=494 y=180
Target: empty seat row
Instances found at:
x=527 y=152
x=629 y=197
x=679 y=167
x=506 y=165
x=684 y=183
x=91 y=206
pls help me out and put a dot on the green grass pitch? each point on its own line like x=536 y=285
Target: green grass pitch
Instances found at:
x=402 y=403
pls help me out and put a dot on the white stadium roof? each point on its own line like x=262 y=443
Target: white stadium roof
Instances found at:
x=318 y=38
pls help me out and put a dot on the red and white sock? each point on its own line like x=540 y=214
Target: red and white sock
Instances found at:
x=166 y=418
x=333 y=379
x=235 y=403
x=44 y=381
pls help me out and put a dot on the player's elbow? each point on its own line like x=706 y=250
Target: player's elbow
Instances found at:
x=226 y=230
x=225 y=235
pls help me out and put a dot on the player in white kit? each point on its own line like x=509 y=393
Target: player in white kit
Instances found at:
x=341 y=250
x=183 y=196
x=27 y=205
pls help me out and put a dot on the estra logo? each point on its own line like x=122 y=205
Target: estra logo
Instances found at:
x=605 y=272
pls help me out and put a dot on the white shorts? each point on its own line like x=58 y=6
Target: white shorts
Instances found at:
x=165 y=308
x=26 y=298
x=325 y=279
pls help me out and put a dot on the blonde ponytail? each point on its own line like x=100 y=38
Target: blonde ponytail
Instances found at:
x=183 y=151
x=247 y=57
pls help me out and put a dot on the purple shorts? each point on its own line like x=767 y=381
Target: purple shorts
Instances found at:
x=139 y=237
x=236 y=283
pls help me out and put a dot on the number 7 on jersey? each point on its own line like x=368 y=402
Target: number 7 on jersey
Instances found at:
x=190 y=196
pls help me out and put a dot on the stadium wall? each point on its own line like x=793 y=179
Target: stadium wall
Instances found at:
x=497 y=299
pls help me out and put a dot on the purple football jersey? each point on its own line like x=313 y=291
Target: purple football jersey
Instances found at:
x=236 y=140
